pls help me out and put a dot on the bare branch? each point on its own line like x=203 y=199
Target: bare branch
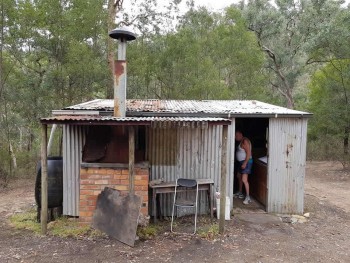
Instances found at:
x=270 y=53
x=311 y=61
x=284 y=94
x=133 y=20
x=118 y=4
x=20 y=61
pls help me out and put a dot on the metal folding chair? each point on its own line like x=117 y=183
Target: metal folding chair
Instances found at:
x=185 y=186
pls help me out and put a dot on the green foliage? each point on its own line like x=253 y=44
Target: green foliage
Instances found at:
x=330 y=103
x=329 y=99
x=287 y=31
x=210 y=56
x=51 y=56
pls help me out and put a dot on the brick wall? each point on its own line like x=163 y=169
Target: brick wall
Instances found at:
x=94 y=179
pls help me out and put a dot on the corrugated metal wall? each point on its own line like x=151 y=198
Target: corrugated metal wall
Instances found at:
x=172 y=152
x=73 y=142
x=196 y=153
x=189 y=153
x=286 y=165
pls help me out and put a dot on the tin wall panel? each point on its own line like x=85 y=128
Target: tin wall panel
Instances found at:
x=197 y=154
x=73 y=142
x=286 y=165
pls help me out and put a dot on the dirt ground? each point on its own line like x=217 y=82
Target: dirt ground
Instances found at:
x=250 y=237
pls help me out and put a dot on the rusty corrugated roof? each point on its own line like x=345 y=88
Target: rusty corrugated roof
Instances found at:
x=229 y=108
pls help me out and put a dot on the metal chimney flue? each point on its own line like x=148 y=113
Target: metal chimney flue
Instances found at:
x=123 y=35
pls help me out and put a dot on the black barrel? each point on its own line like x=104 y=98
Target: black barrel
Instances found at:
x=54 y=182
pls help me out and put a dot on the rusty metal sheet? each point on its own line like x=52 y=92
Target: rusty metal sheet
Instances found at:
x=119 y=88
x=117 y=215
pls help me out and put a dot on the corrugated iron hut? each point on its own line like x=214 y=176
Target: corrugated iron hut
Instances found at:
x=125 y=144
x=181 y=139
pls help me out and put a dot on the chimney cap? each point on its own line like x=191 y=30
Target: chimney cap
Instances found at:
x=122 y=33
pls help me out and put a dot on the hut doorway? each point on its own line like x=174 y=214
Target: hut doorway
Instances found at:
x=256 y=129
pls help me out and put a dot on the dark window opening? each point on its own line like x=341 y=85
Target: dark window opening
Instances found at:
x=110 y=144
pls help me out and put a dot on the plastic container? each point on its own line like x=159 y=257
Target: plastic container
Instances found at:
x=227 y=208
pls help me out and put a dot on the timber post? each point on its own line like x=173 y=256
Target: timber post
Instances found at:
x=44 y=194
x=223 y=179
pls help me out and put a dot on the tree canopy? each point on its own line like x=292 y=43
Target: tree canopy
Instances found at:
x=292 y=34
x=209 y=56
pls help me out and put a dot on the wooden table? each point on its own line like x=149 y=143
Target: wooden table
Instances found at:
x=169 y=187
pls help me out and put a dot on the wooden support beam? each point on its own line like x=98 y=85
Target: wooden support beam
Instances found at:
x=44 y=194
x=223 y=179
x=131 y=159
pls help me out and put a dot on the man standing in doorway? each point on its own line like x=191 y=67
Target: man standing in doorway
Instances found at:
x=244 y=158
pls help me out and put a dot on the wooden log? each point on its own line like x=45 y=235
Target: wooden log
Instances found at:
x=44 y=194
x=223 y=179
x=131 y=159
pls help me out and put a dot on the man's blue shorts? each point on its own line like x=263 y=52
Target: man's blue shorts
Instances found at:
x=248 y=168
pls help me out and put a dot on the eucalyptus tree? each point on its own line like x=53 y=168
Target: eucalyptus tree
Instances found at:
x=330 y=103
x=51 y=56
x=330 y=88
x=286 y=30
x=208 y=56
x=8 y=160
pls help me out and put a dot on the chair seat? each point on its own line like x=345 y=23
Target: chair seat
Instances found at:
x=185 y=186
x=186 y=182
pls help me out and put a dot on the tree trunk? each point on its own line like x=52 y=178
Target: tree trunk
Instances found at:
x=346 y=140
x=1 y=49
x=13 y=156
x=30 y=140
x=20 y=139
x=290 y=100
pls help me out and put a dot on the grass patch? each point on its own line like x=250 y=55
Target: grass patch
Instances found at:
x=209 y=231
x=62 y=227
x=27 y=221
x=148 y=232
x=70 y=227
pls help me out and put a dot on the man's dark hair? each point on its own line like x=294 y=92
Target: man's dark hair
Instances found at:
x=239 y=130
